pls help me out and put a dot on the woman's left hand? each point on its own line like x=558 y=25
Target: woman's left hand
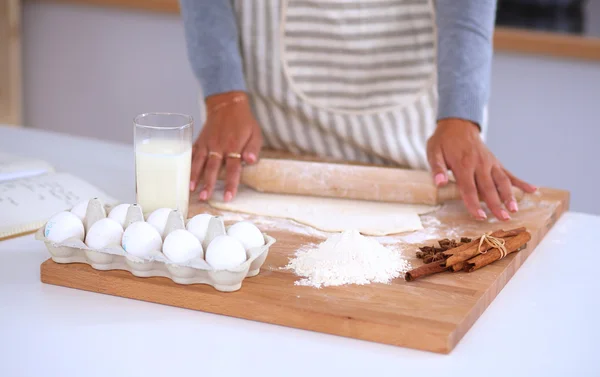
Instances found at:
x=456 y=145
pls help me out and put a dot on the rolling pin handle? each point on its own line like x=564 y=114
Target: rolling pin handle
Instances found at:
x=447 y=193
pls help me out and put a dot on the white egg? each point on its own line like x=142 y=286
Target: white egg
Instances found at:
x=141 y=239
x=198 y=225
x=104 y=233
x=119 y=213
x=225 y=252
x=80 y=209
x=247 y=233
x=181 y=246
x=158 y=219
x=62 y=226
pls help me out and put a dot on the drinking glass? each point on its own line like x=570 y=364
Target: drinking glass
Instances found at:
x=163 y=158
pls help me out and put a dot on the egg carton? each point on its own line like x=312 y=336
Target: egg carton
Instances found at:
x=196 y=271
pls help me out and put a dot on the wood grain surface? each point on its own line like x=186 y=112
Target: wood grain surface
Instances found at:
x=10 y=62
x=547 y=43
x=431 y=314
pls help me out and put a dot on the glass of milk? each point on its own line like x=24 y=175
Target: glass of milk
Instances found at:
x=163 y=158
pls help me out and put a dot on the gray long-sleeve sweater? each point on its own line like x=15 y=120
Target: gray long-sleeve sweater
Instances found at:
x=465 y=32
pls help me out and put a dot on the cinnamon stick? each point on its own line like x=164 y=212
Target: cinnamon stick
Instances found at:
x=457 y=267
x=458 y=249
x=424 y=270
x=512 y=244
x=473 y=249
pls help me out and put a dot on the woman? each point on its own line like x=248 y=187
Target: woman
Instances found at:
x=395 y=82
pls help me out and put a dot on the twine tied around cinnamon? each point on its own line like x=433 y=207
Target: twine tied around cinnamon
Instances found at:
x=495 y=243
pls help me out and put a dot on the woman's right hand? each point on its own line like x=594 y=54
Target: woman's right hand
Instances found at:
x=230 y=128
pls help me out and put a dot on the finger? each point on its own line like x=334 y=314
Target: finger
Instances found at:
x=252 y=148
x=489 y=193
x=211 y=171
x=198 y=161
x=439 y=170
x=233 y=169
x=520 y=184
x=465 y=179
x=504 y=188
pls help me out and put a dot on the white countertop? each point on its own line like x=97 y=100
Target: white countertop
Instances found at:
x=546 y=321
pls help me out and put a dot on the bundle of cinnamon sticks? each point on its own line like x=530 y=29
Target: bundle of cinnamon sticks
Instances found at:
x=469 y=254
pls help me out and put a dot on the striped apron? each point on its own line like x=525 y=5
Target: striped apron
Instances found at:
x=350 y=80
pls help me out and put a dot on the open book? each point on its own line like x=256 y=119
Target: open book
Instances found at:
x=31 y=192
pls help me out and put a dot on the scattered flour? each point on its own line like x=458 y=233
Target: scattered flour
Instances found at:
x=347 y=258
x=431 y=231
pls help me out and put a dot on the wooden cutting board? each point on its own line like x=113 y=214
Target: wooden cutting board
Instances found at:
x=431 y=314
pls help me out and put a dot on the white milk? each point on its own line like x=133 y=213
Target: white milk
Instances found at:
x=163 y=174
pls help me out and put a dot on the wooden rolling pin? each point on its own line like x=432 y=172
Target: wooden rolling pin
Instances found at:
x=336 y=180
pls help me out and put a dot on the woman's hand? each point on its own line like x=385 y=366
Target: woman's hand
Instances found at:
x=456 y=145
x=230 y=128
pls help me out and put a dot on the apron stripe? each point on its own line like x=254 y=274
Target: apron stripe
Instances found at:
x=429 y=124
x=245 y=8
x=420 y=137
x=351 y=136
x=271 y=134
x=342 y=54
x=413 y=123
x=246 y=42
x=412 y=65
x=251 y=28
x=344 y=141
x=280 y=125
x=351 y=7
x=359 y=91
x=364 y=43
x=401 y=122
x=368 y=136
x=324 y=119
x=359 y=138
x=378 y=134
x=387 y=128
x=313 y=122
x=297 y=132
x=383 y=19
x=302 y=128
x=311 y=35
x=359 y=96
x=376 y=79
x=336 y=147
x=360 y=52
x=263 y=112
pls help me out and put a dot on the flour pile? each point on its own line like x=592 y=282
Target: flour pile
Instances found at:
x=347 y=258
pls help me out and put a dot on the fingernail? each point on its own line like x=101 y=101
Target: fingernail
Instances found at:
x=192 y=186
x=512 y=206
x=481 y=214
x=439 y=179
x=251 y=157
x=203 y=195
x=504 y=215
x=228 y=195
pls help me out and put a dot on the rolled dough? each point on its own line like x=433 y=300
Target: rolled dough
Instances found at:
x=329 y=214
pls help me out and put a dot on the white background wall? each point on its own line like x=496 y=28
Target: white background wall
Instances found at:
x=89 y=71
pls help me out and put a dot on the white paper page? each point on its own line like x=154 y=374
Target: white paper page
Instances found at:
x=26 y=204
x=14 y=167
